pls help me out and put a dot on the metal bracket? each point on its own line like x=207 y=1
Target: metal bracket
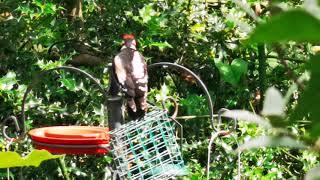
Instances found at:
x=4 y=128
x=221 y=133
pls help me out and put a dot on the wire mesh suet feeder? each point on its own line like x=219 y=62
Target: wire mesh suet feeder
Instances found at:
x=147 y=148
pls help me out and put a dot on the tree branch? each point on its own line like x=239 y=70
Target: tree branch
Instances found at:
x=287 y=58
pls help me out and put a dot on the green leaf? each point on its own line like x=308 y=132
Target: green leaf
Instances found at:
x=313 y=174
x=308 y=104
x=13 y=159
x=274 y=103
x=232 y=73
x=160 y=45
x=147 y=12
x=225 y=72
x=267 y=141
x=294 y=25
x=7 y=81
x=198 y=28
x=70 y=84
x=239 y=67
x=164 y=90
x=48 y=65
x=49 y=8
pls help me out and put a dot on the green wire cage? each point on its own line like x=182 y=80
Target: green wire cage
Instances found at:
x=147 y=148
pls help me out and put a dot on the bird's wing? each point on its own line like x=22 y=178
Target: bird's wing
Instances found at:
x=119 y=69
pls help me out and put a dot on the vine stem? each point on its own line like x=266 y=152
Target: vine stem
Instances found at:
x=194 y=117
x=262 y=70
x=63 y=169
x=288 y=58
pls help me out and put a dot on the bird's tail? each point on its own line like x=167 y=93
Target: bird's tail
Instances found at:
x=132 y=105
x=137 y=107
x=142 y=101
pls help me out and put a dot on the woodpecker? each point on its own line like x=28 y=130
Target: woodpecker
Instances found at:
x=130 y=70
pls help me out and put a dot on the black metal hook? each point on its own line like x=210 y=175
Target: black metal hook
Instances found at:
x=37 y=79
x=4 y=128
x=199 y=82
x=175 y=106
x=220 y=114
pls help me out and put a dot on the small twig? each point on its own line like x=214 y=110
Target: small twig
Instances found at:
x=60 y=42
x=262 y=70
x=24 y=44
x=289 y=154
x=63 y=169
x=252 y=108
x=287 y=58
x=194 y=117
x=8 y=173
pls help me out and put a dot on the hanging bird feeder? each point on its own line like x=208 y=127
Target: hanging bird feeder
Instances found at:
x=142 y=149
x=147 y=148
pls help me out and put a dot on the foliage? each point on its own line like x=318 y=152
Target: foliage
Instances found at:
x=232 y=73
x=305 y=28
x=13 y=159
x=234 y=46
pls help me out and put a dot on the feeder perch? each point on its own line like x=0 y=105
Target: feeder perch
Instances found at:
x=147 y=148
x=71 y=139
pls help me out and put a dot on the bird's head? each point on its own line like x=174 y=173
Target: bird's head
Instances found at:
x=129 y=40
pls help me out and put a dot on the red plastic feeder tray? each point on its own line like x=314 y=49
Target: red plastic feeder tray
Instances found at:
x=71 y=139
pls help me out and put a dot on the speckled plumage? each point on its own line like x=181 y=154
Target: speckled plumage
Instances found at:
x=131 y=72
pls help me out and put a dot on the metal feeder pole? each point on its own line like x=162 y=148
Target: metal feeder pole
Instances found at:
x=115 y=115
x=114 y=102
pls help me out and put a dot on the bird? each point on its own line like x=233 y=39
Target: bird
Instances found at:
x=130 y=69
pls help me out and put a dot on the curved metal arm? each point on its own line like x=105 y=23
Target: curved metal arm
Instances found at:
x=175 y=106
x=36 y=80
x=4 y=128
x=199 y=82
x=220 y=113
x=222 y=133
x=215 y=135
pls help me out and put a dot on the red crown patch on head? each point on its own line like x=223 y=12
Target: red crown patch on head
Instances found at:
x=127 y=36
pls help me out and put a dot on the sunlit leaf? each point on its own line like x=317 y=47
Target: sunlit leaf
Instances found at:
x=7 y=81
x=13 y=159
x=246 y=116
x=294 y=25
x=164 y=91
x=246 y=7
x=267 y=141
x=313 y=174
x=160 y=45
x=49 y=8
x=273 y=104
x=312 y=6
x=147 y=12
x=232 y=73
x=239 y=67
x=225 y=72
x=70 y=84
x=198 y=28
